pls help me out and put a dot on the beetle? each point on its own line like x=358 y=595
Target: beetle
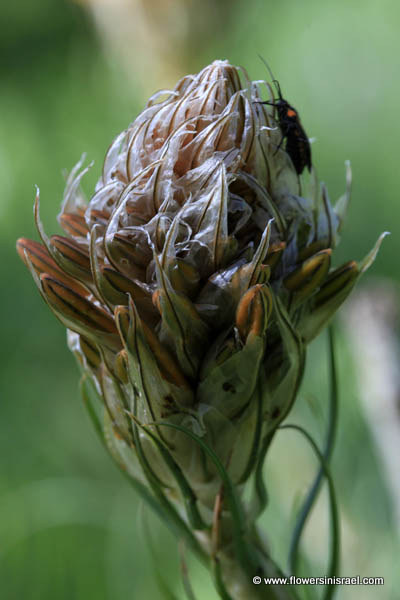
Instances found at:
x=297 y=143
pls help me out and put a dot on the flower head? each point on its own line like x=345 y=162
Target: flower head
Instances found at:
x=193 y=279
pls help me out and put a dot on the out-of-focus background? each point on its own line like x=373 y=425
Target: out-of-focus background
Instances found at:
x=73 y=75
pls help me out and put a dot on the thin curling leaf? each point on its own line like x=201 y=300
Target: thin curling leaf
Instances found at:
x=260 y=495
x=218 y=579
x=121 y=453
x=163 y=586
x=163 y=509
x=257 y=417
x=188 y=495
x=245 y=553
x=187 y=586
x=143 y=452
x=333 y=565
x=177 y=523
x=312 y=494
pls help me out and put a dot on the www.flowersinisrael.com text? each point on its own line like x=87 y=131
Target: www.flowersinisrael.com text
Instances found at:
x=292 y=580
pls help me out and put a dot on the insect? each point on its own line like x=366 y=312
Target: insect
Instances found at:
x=297 y=142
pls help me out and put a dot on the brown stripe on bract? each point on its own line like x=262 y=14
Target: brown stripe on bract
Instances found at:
x=71 y=251
x=121 y=366
x=336 y=281
x=124 y=284
x=74 y=224
x=301 y=276
x=99 y=217
x=274 y=254
x=90 y=351
x=253 y=311
x=121 y=315
x=43 y=263
x=311 y=249
x=73 y=305
x=124 y=287
x=264 y=274
x=244 y=309
x=136 y=249
x=169 y=369
x=124 y=262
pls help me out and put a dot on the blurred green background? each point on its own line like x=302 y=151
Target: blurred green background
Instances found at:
x=73 y=75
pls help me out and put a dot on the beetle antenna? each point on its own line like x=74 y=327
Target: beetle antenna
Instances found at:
x=268 y=67
x=278 y=88
x=274 y=81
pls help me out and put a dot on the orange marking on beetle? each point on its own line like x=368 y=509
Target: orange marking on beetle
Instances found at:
x=291 y=113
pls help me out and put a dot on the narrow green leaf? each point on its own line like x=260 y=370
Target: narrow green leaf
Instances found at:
x=260 y=499
x=333 y=564
x=256 y=440
x=244 y=552
x=163 y=586
x=187 y=586
x=188 y=495
x=326 y=453
x=159 y=504
x=218 y=580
